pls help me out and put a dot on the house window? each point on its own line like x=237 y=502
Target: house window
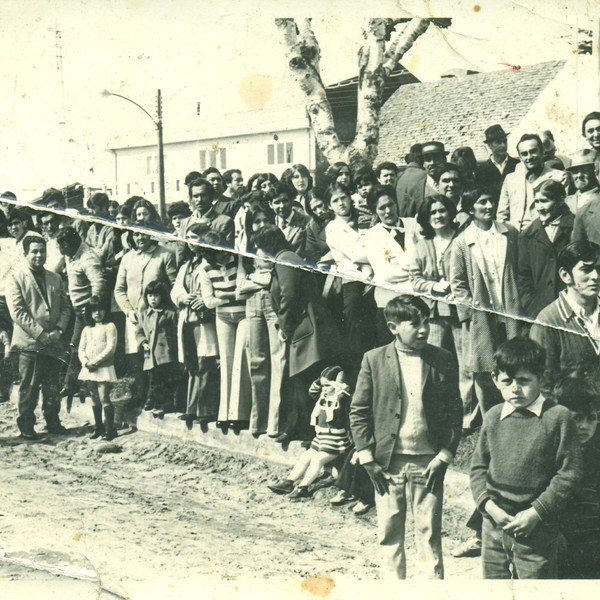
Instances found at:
x=202 y=160
x=177 y=185
x=223 y=157
x=129 y=189
x=285 y=153
x=212 y=158
x=152 y=187
x=151 y=164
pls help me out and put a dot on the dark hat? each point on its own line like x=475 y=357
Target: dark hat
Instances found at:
x=493 y=133
x=433 y=148
x=8 y=195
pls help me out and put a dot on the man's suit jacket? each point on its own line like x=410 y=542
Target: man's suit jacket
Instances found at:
x=513 y=197
x=375 y=411
x=539 y=283
x=576 y=201
x=222 y=224
x=587 y=222
x=32 y=315
x=411 y=189
x=316 y=242
x=308 y=326
x=295 y=232
x=489 y=176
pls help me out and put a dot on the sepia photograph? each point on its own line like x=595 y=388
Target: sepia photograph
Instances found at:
x=299 y=300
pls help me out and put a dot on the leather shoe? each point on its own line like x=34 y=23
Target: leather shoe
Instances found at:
x=282 y=487
x=342 y=497
x=468 y=549
x=361 y=508
x=300 y=492
x=30 y=435
x=57 y=429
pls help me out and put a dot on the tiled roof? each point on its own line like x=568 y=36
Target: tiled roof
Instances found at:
x=457 y=110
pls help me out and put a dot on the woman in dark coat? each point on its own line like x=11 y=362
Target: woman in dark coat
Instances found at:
x=305 y=327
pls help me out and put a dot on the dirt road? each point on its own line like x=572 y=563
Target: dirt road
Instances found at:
x=163 y=512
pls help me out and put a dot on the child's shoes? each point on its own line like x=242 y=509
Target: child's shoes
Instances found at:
x=300 y=492
x=282 y=487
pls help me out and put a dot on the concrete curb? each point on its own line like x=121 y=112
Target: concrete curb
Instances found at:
x=456 y=489
x=242 y=443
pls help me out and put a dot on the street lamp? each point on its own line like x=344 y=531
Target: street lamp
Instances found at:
x=161 y=155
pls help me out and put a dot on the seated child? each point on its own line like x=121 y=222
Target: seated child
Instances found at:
x=525 y=469
x=332 y=439
x=580 y=523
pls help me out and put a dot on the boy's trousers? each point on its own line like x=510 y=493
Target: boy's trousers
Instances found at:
x=408 y=489
x=505 y=556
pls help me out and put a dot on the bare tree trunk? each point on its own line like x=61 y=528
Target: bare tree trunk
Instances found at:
x=303 y=54
x=375 y=65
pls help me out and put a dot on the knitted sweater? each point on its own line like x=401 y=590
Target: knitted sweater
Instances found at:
x=525 y=460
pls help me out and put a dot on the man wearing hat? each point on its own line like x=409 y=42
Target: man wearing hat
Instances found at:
x=587 y=217
x=516 y=205
x=590 y=129
x=414 y=184
x=492 y=172
x=583 y=173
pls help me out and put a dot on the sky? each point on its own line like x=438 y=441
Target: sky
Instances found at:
x=213 y=53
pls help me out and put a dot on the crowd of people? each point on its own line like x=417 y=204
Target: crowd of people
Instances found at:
x=276 y=306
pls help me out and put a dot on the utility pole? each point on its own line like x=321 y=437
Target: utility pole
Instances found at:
x=161 y=155
x=161 y=158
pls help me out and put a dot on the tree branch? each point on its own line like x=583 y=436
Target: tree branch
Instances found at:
x=375 y=65
x=403 y=42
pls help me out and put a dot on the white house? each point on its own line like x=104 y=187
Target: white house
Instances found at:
x=267 y=140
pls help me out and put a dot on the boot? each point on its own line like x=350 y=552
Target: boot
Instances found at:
x=109 y=424
x=99 y=427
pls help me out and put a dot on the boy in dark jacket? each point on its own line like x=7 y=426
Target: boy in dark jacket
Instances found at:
x=406 y=418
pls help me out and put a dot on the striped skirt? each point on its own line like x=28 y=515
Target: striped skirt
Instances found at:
x=331 y=441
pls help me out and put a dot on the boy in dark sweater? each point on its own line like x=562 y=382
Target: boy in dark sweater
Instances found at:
x=525 y=469
x=580 y=525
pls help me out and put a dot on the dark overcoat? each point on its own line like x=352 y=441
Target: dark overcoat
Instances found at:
x=307 y=325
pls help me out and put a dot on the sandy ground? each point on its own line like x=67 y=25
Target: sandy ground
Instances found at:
x=160 y=514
